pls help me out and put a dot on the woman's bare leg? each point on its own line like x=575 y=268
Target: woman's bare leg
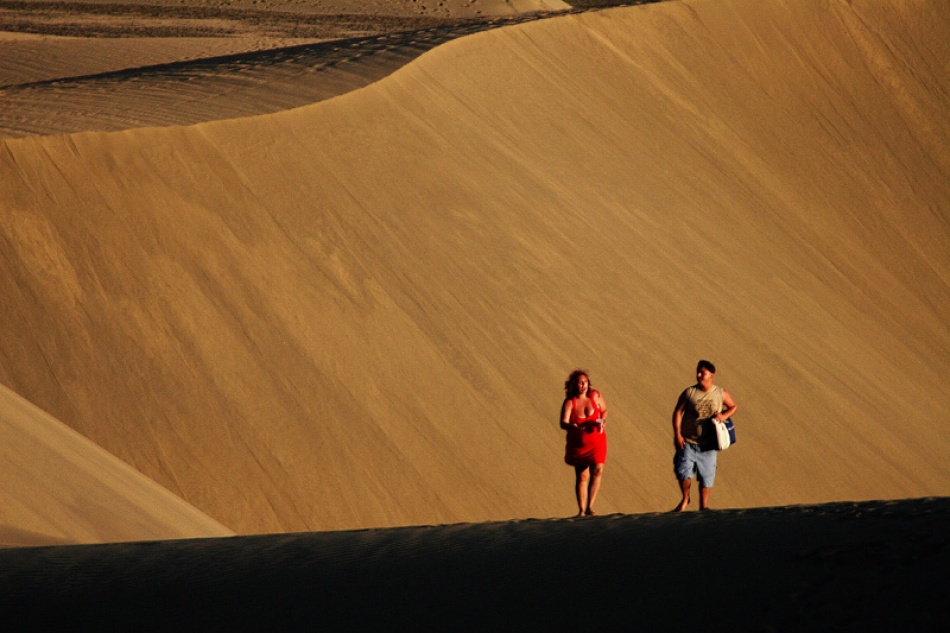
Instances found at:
x=597 y=471
x=581 y=483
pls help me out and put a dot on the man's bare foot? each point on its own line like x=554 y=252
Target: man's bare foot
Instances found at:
x=682 y=505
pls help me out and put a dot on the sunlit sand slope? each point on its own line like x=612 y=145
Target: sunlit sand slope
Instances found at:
x=58 y=487
x=848 y=566
x=361 y=313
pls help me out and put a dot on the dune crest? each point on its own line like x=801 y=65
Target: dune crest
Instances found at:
x=360 y=313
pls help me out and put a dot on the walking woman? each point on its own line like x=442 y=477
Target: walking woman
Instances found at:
x=583 y=415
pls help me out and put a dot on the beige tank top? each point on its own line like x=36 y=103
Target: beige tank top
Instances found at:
x=700 y=405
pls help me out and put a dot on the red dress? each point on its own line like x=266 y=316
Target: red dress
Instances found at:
x=586 y=445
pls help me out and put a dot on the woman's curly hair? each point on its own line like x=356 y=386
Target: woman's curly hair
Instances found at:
x=570 y=385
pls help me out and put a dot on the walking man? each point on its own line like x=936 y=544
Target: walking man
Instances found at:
x=694 y=435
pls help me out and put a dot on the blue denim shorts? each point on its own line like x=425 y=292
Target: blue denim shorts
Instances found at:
x=693 y=458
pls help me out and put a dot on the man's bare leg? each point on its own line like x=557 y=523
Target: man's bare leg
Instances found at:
x=704 y=497
x=684 y=487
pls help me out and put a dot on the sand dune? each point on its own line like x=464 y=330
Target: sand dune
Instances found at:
x=221 y=8
x=181 y=81
x=60 y=487
x=359 y=313
x=842 y=567
x=126 y=65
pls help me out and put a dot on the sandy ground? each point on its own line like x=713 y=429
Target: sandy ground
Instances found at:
x=359 y=313
x=876 y=566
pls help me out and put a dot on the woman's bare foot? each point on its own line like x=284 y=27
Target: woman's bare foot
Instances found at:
x=590 y=512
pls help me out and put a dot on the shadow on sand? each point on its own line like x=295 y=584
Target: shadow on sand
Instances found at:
x=841 y=566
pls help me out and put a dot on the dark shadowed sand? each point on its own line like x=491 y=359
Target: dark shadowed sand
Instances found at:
x=872 y=566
